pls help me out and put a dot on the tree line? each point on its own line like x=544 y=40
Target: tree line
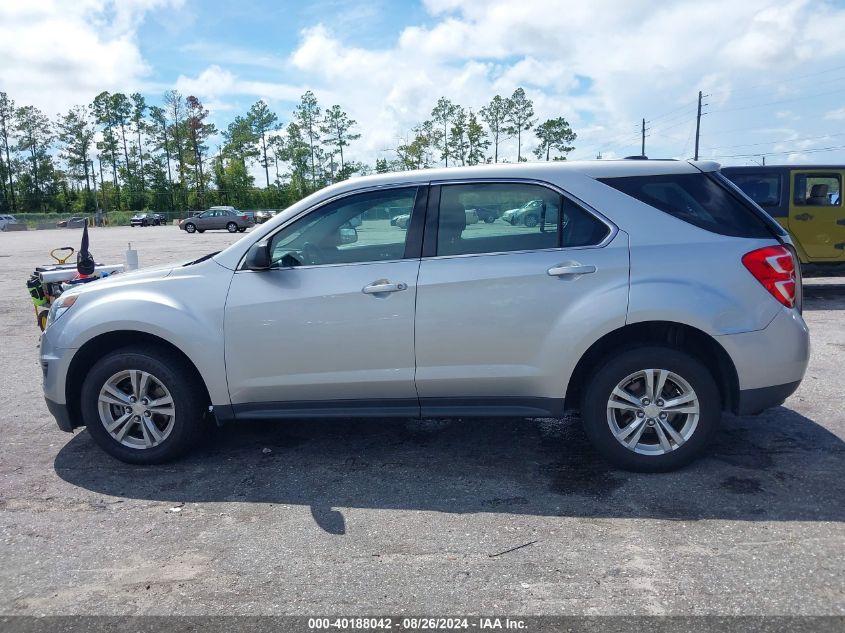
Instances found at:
x=121 y=153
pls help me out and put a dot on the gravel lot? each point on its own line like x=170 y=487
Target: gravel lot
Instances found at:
x=376 y=517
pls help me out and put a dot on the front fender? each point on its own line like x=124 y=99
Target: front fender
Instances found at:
x=185 y=308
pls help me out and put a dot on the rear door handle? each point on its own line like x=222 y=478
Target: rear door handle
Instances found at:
x=803 y=217
x=567 y=270
x=383 y=285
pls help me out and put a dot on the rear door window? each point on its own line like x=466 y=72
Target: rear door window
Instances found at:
x=698 y=199
x=817 y=190
x=486 y=217
x=764 y=189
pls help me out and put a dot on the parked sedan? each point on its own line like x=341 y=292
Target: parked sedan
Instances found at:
x=262 y=216
x=527 y=215
x=217 y=218
x=144 y=219
x=470 y=217
x=487 y=215
x=646 y=317
x=75 y=222
x=7 y=219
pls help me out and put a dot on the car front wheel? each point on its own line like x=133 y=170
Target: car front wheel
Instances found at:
x=141 y=406
x=190 y=228
x=651 y=409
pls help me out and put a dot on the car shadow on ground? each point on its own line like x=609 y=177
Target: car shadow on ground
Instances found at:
x=777 y=467
x=824 y=296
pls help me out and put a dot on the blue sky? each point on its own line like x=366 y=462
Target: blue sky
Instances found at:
x=774 y=71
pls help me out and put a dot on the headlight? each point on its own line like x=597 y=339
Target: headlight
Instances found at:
x=60 y=306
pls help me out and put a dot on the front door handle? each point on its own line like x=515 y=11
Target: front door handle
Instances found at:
x=803 y=217
x=383 y=285
x=567 y=270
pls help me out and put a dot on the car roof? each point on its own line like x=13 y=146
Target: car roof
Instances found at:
x=540 y=171
x=592 y=168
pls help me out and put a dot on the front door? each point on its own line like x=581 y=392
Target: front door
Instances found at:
x=330 y=326
x=817 y=214
x=502 y=308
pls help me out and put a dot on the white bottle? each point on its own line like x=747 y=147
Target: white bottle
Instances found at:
x=131 y=258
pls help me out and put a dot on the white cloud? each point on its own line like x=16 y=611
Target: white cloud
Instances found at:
x=214 y=82
x=836 y=115
x=643 y=60
x=57 y=54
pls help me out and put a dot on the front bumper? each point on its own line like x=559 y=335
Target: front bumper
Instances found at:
x=54 y=367
x=61 y=413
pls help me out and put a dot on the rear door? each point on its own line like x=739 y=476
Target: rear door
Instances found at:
x=502 y=309
x=816 y=213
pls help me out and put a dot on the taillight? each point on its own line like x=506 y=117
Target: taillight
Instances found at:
x=774 y=267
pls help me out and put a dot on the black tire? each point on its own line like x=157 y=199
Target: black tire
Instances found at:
x=242 y=230
x=190 y=228
x=172 y=372
x=232 y=227
x=531 y=220
x=200 y=230
x=608 y=375
x=489 y=219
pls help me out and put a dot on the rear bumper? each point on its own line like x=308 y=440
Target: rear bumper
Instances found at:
x=770 y=363
x=752 y=401
x=776 y=355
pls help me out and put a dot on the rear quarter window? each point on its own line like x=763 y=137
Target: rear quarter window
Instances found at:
x=698 y=199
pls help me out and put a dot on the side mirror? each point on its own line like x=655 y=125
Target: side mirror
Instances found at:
x=348 y=235
x=258 y=256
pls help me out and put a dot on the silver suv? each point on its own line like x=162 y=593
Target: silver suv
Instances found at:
x=650 y=295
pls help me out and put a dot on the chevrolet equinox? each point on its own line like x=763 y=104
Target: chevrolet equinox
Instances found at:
x=649 y=295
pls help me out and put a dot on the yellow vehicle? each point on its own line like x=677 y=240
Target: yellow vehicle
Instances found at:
x=807 y=201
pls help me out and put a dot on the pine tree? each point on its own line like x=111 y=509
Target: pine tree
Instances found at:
x=520 y=118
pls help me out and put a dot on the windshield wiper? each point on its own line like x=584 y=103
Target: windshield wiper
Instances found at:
x=201 y=259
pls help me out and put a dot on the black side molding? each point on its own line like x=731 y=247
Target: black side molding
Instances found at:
x=753 y=401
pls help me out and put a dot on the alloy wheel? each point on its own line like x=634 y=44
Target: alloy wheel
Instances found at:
x=653 y=411
x=136 y=409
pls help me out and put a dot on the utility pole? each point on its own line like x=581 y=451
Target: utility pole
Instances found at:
x=698 y=124
x=642 y=148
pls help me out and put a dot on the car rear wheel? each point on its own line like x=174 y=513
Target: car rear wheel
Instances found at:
x=242 y=230
x=142 y=406
x=232 y=227
x=651 y=409
x=530 y=221
x=190 y=228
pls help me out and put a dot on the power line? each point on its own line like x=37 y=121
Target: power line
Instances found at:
x=768 y=103
x=790 y=140
x=791 y=82
x=682 y=107
x=814 y=150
